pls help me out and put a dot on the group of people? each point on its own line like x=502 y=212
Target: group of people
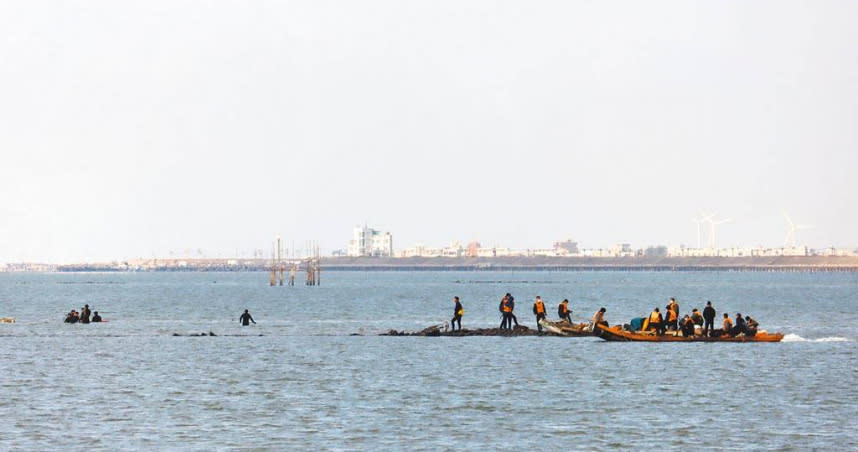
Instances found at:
x=508 y=318
x=670 y=321
x=84 y=316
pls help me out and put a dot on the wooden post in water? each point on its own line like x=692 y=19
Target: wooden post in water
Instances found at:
x=280 y=259
x=318 y=271
x=272 y=281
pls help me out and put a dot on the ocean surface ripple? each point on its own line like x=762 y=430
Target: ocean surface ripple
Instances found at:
x=300 y=380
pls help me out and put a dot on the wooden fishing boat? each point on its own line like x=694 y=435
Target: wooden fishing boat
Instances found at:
x=564 y=328
x=617 y=333
x=7 y=319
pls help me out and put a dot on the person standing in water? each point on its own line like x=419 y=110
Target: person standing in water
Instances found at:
x=246 y=318
x=458 y=312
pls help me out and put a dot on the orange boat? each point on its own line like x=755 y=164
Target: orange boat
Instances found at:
x=618 y=334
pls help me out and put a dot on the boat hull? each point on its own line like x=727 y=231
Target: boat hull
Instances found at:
x=617 y=334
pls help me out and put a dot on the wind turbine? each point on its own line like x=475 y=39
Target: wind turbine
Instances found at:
x=699 y=222
x=789 y=241
x=712 y=224
x=706 y=218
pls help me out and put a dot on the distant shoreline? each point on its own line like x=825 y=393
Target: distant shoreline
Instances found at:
x=688 y=264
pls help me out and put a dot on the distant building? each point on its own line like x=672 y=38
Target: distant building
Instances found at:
x=473 y=249
x=370 y=242
x=565 y=248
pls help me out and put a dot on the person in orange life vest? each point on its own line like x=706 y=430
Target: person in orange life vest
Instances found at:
x=728 y=324
x=539 y=311
x=656 y=322
x=505 y=310
x=563 y=311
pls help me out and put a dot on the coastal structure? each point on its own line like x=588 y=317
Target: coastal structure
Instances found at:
x=369 y=242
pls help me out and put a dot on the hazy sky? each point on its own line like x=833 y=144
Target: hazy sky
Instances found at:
x=129 y=129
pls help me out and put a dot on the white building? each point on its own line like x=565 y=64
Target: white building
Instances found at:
x=370 y=242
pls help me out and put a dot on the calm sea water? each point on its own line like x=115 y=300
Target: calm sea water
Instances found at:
x=299 y=380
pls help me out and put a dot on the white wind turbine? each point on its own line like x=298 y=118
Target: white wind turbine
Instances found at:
x=706 y=218
x=789 y=241
x=712 y=224
x=699 y=221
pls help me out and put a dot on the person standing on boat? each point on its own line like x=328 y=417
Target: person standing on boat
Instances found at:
x=563 y=311
x=458 y=311
x=656 y=322
x=708 y=319
x=671 y=319
x=673 y=306
x=246 y=318
x=671 y=315
x=539 y=312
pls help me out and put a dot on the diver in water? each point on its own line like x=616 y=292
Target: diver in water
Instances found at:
x=246 y=318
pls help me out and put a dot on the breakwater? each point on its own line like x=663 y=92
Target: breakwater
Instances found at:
x=622 y=264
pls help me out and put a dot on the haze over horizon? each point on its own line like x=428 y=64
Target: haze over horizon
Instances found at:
x=131 y=129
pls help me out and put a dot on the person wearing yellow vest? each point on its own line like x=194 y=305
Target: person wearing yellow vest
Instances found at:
x=563 y=311
x=673 y=306
x=671 y=319
x=728 y=324
x=696 y=317
x=656 y=322
x=505 y=309
x=458 y=312
x=539 y=311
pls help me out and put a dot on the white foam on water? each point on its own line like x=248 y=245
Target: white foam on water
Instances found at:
x=797 y=338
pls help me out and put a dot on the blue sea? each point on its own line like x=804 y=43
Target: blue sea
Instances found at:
x=313 y=374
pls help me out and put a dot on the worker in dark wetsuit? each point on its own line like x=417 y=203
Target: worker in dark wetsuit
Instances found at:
x=751 y=326
x=539 y=312
x=741 y=327
x=84 y=314
x=245 y=319
x=71 y=317
x=687 y=326
x=563 y=311
x=708 y=319
x=458 y=311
